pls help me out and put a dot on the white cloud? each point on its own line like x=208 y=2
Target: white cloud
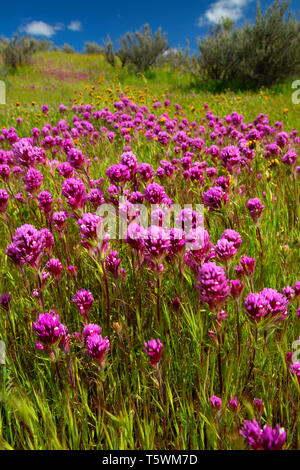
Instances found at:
x=40 y=28
x=75 y=26
x=224 y=8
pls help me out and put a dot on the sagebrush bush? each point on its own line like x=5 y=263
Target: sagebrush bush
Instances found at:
x=18 y=51
x=142 y=49
x=272 y=46
x=109 y=52
x=3 y=44
x=176 y=58
x=68 y=49
x=43 y=45
x=221 y=51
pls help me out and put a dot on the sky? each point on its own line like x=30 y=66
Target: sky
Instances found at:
x=76 y=22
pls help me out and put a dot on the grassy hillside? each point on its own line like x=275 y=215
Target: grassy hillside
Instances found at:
x=56 y=78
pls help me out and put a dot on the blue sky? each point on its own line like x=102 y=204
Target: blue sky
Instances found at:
x=75 y=22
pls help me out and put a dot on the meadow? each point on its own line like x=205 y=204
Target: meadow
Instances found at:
x=146 y=342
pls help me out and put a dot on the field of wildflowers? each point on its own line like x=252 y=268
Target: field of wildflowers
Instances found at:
x=179 y=336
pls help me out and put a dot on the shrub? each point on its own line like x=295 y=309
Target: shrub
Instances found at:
x=92 y=48
x=177 y=58
x=18 y=51
x=141 y=49
x=109 y=52
x=271 y=46
x=255 y=55
x=68 y=49
x=42 y=45
x=221 y=51
x=3 y=44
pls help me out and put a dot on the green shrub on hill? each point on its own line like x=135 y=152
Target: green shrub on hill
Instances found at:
x=255 y=55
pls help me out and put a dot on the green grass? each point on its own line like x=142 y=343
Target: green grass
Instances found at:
x=71 y=404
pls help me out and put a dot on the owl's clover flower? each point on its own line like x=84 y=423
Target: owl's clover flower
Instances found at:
x=215 y=198
x=232 y=236
x=54 y=267
x=97 y=347
x=74 y=190
x=83 y=299
x=225 y=249
x=263 y=439
x=33 y=180
x=27 y=245
x=48 y=329
x=154 y=349
x=4 y=196
x=255 y=207
x=212 y=285
x=90 y=329
x=45 y=201
x=216 y=402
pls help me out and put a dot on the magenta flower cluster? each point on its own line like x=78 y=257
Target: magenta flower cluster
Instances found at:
x=83 y=299
x=267 y=304
x=49 y=330
x=212 y=284
x=154 y=349
x=95 y=344
x=28 y=245
x=267 y=438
